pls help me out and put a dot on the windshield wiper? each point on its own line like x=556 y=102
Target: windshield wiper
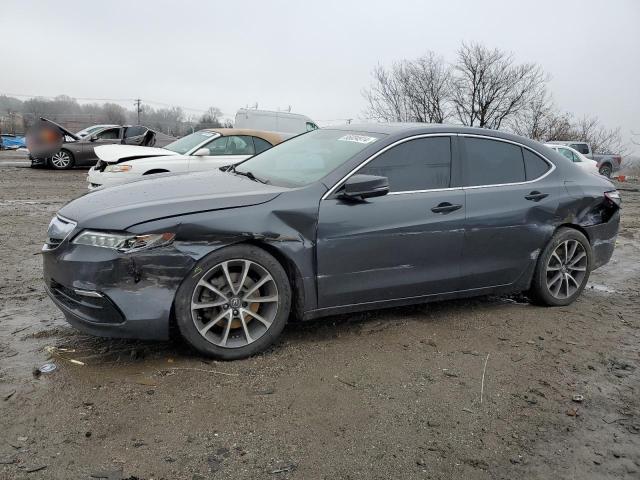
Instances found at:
x=249 y=175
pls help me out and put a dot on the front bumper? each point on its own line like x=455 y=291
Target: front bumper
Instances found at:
x=38 y=162
x=106 y=293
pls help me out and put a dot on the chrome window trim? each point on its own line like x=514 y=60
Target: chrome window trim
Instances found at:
x=449 y=189
x=380 y=152
x=332 y=190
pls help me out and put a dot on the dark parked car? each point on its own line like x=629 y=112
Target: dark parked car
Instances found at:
x=78 y=151
x=335 y=220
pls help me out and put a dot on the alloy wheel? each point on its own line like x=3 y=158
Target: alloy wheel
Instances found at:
x=606 y=171
x=61 y=159
x=234 y=303
x=567 y=269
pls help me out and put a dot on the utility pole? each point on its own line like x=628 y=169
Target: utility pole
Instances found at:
x=138 y=108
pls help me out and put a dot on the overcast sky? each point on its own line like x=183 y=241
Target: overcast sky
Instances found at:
x=313 y=55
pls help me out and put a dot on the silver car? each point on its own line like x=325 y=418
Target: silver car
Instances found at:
x=78 y=151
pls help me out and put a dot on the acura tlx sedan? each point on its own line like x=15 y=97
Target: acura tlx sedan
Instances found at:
x=336 y=220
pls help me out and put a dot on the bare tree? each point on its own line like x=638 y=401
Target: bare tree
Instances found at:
x=601 y=139
x=428 y=88
x=386 y=97
x=410 y=91
x=489 y=88
x=114 y=113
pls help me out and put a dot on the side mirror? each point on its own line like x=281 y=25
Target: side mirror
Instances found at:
x=202 y=152
x=366 y=186
x=93 y=138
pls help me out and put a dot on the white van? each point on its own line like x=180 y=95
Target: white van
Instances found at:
x=266 y=120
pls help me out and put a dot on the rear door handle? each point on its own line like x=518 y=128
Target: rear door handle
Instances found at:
x=445 y=207
x=536 y=196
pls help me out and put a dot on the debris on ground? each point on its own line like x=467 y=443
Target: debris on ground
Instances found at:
x=47 y=367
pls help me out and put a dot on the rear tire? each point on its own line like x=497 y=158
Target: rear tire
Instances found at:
x=606 y=170
x=234 y=303
x=562 y=270
x=63 y=160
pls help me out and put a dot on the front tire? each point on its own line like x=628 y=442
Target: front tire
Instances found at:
x=234 y=303
x=563 y=269
x=63 y=160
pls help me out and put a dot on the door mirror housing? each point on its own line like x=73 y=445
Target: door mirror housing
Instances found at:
x=365 y=186
x=202 y=152
x=93 y=138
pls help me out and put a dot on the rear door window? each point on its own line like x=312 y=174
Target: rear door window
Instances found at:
x=492 y=162
x=109 y=134
x=420 y=164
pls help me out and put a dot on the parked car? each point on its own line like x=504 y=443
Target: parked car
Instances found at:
x=285 y=122
x=607 y=163
x=203 y=150
x=9 y=141
x=79 y=151
x=576 y=157
x=336 y=220
x=93 y=129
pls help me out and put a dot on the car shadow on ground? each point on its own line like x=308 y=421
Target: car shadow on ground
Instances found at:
x=93 y=350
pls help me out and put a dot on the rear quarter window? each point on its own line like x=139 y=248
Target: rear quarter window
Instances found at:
x=534 y=165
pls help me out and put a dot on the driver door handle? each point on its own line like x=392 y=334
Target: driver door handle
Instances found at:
x=536 y=196
x=445 y=207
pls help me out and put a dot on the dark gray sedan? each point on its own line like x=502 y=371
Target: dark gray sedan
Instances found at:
x=78 y=150
x=336 y=220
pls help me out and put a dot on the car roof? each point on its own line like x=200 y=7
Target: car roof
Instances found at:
x=566 y=142
x=272 y=137
x=401 y=130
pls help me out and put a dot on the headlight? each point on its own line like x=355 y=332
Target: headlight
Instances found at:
x=123 y=242
x=117 y=168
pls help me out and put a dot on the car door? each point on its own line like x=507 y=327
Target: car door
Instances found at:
x=108 y=136
x=138 y=135
x=225 y=150
x=407 y=243
x=510 y=199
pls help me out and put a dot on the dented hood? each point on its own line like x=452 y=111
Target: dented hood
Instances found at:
x=115 y=153
x=171 y=195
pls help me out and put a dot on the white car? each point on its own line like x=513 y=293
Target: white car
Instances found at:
x=203 y=150
x=576 y=157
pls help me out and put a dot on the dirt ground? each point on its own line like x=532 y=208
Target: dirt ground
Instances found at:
x=388 y=394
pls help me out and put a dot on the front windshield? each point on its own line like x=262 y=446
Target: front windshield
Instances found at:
x=185 y=144
x=307 y=158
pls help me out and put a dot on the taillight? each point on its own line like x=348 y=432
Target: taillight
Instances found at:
x=613 y=196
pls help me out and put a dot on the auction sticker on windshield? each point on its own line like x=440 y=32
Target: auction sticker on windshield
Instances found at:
x=358 y=138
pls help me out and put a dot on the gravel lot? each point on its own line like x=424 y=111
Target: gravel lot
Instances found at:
x=388 y=394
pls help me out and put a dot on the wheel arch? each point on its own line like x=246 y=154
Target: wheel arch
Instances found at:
x=574 y=226
x=156 y=170
x=293 y=272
